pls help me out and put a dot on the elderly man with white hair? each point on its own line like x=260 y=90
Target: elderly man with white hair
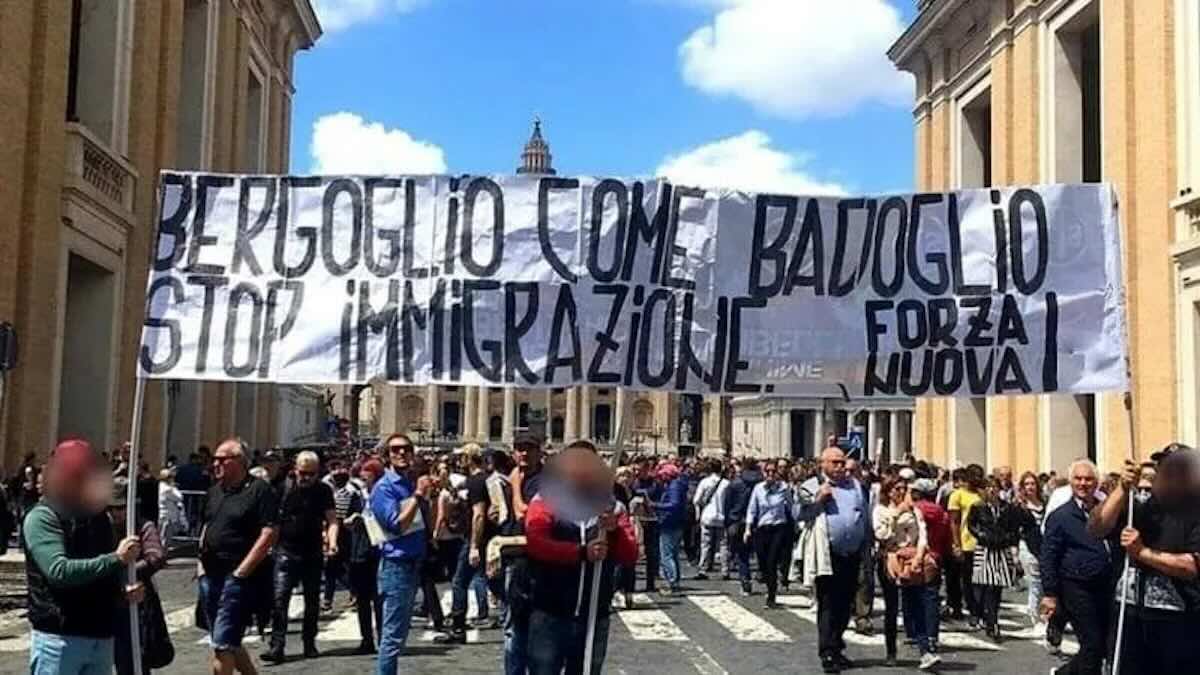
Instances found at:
x=308 y=530
x=1077 y=572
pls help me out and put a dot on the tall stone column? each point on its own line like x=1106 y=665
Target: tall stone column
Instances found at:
x=818 y=432
x=468 y=421
x=510 y=407
x=585 y=412
x=785 y=433
x=432 y=403
x=571 y=421
x=894 y=453
x=619 y=414
x=483 y=415
x=872 y=434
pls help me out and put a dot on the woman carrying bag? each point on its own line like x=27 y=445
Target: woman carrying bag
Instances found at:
x=157 y=650
x=997 y=527
x=905 y=566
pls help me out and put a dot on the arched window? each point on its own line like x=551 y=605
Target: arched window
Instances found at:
x=643 y=415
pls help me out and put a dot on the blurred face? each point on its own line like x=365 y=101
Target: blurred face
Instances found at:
x=1029 y=487
x=306 y=472
x=853 y=468
x=1083 y=482
x=833 y=464
x=400 y=454
x=899 y=490
x=227 y=464
x=1004 y=474
x=368 y=477
x=770 y=472
x=528 y=456
x=97 y=491
x=991 y=492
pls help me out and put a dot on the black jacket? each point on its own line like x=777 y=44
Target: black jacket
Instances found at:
x=997 y=529
x=1069 y=552
x=737 y=496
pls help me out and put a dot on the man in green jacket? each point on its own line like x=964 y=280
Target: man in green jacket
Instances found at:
x=73 y=565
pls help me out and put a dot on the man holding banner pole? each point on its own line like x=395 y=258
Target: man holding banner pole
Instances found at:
x=1160 y=589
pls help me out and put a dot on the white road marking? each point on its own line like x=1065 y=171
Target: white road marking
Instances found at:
x=741 y=622
x=647 y=622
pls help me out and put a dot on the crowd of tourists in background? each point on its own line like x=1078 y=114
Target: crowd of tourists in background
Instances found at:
x=525 y=534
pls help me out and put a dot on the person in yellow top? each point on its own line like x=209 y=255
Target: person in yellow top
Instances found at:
x=962 y=500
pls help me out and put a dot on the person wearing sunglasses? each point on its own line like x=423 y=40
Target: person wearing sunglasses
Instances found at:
x=240 y=518
x=308 y=533
x=396 y=506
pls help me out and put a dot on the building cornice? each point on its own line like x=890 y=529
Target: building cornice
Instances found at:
x=308 y=19
x=928 y=19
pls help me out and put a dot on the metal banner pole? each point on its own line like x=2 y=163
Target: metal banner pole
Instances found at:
x=1116 y=664
x=135 y=633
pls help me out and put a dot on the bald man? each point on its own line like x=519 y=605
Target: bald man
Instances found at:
x=308 y=528
x=572 y=529
x=838 y=500
x=240 y=516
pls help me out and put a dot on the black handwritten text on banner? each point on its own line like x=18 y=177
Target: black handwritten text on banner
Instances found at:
x=549 y=282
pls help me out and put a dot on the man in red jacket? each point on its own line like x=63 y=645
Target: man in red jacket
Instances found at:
x=571 y=530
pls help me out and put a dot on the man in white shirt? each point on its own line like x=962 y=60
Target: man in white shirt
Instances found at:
x=710 y=504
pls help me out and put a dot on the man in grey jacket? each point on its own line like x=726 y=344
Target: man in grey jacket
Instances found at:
x=841 y=500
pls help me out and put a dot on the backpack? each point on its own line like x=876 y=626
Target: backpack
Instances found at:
x=457 y=519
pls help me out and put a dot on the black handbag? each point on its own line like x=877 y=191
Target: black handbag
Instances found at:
x=157 y=649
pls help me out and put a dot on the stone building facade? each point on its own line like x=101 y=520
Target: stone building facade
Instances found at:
x=1050 y=91
x=97 y=97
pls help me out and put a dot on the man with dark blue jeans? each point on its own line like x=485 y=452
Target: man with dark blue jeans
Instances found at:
x=396 y=508
x=526 y=480
x=240 y=516
x=672 y=512
x=575 y=541
x=737 y=502
x=306 y=515
x=468 y=566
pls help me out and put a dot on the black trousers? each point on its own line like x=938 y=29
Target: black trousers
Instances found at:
x=650 y=535
x=1157 y=641
x=1086 y=605
x=835 y=603
x=291 y=571
x=367 y=603
x=891 y=606
x=989 y=604
x=954 y=590
x=770 y=545
x=970 y=595
x=739 y=550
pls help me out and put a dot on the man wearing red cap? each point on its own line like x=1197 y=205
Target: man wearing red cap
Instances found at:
x=73 y=565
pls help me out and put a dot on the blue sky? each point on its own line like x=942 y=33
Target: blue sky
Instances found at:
x=789 y=95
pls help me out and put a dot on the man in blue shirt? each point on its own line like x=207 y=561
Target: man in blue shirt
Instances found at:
x=841 y=500
x=396 y=505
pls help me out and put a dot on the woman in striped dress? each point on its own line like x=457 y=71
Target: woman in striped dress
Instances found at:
x=996 y=526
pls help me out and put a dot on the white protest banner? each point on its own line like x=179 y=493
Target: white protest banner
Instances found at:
x=551 y=281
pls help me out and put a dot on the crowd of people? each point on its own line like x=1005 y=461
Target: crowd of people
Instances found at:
x=531 y=537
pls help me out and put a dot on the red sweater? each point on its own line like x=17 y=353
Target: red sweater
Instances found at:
x=554 y=541
x=937 y=527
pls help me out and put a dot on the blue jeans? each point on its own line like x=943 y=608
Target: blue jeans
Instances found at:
x=465 y=578
x=516 y=618
x=668 y=546
x=51 y=654
x=914 y=601
x=557 y=643
x=398 y=582
x=229 y=604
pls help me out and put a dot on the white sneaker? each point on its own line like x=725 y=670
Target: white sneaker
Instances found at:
x=929 y=660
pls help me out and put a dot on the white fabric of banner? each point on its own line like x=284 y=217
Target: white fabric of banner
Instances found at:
x=552 y=281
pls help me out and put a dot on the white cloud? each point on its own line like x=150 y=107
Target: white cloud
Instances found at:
x=798 y=58
x=335 y=15
x=346 y=143
x=745 y=162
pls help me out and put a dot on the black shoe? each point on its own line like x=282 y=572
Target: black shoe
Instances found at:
x=771 y=604
x=310 y=652
x=746 y=588
x=726 y=577
x=889 y=661
x=365 y=648
x=843 y=662
x=452 y=638
x=272 y=656
x=701 y=576
x=830 y=665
